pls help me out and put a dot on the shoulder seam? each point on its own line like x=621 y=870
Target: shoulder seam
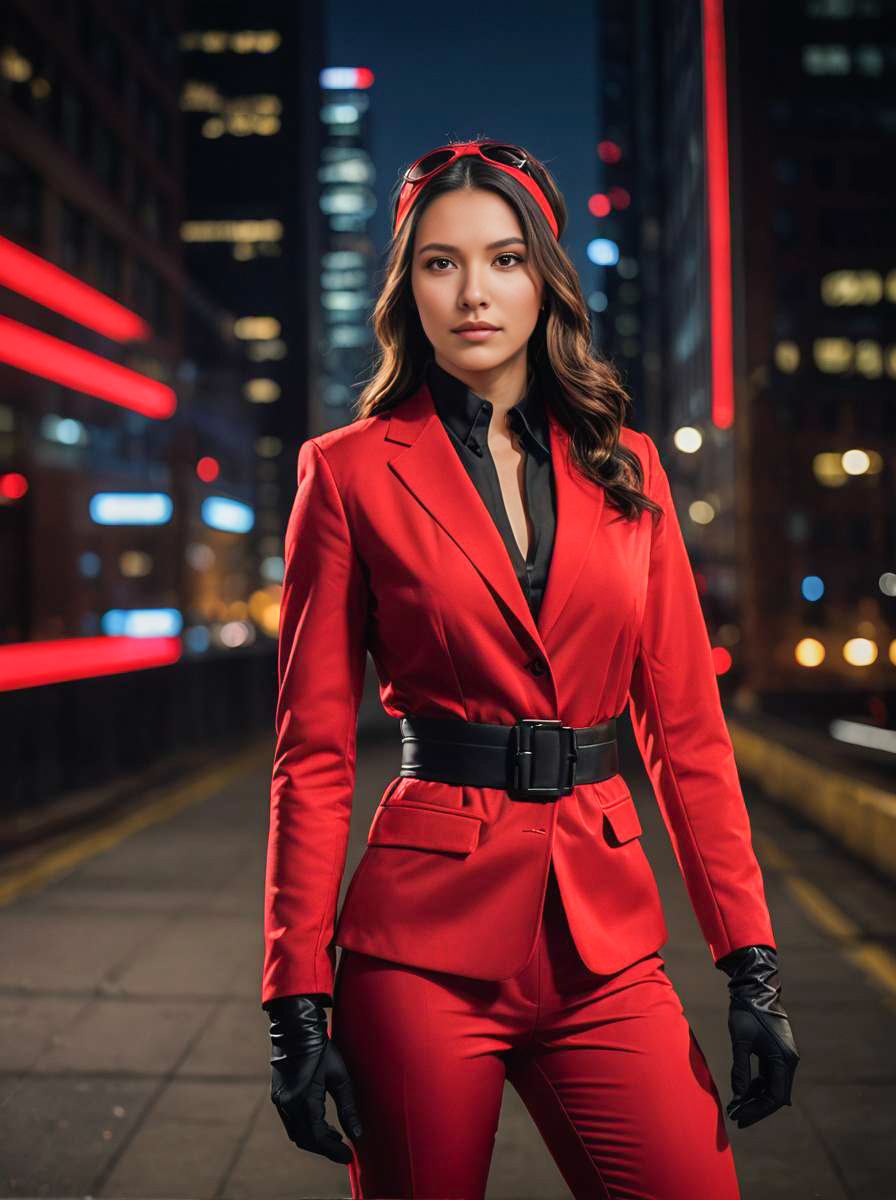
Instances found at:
x=314 y=442
x=345 y=521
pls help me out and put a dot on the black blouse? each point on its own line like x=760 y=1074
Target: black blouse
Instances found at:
x=466 y=418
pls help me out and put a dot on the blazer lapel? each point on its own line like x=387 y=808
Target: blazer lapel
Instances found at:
x=433 y=473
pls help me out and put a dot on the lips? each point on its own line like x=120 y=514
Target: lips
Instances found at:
x=473 y=328
x=475 y=335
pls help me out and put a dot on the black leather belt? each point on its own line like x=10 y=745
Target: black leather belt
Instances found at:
x=532 y=760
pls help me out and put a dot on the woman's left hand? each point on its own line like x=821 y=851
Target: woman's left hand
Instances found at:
x=758 y=1025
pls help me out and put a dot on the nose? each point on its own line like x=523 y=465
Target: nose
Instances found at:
x=472 y=295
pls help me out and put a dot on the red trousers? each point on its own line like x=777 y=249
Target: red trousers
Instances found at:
x=607 y=1065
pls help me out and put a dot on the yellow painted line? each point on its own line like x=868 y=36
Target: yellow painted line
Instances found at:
x=874 y=959
x=823 y=911
x=773 y=854
x=78 y=847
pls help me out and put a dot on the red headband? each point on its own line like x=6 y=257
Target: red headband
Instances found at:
x=411 y=189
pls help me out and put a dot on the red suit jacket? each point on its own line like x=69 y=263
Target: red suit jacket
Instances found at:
x=390 y=547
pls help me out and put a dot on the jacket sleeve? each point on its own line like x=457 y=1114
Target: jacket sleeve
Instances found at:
x=683 y=738
x=322 y=656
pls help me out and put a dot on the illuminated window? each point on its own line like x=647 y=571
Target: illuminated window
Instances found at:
x=832 y=355
x=836 y=9
x=787 y=356
x=869 y=60
x=240 y=123
x=262 y=390
x=866 y=356
x=264 y=351
x=264 y=229
x=256 y=328
x=241 y=41
x=869 y=358
x=198 y=95
x=852 y=287
x=15 y=66
x=826 y=60
x=236 y=115
x=268 y=447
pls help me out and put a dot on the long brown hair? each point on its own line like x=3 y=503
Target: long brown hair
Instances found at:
x=583 y=390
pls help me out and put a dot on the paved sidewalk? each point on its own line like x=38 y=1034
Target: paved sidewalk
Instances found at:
x=134 y=1052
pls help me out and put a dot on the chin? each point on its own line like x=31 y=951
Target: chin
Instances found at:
x=480 y=354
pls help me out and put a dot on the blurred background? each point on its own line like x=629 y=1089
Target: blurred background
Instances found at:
x=193 y=224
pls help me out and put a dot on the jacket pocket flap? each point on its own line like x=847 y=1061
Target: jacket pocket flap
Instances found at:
x=624 y=820
x=424 y=829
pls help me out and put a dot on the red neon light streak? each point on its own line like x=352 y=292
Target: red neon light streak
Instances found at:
x=34 y=277
x=35 y=664
x=51 y=358
x=718 y=214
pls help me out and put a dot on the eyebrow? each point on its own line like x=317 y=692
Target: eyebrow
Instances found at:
x=510 y=241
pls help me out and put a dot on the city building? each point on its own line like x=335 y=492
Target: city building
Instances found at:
x=142 y=498
x=764 y=246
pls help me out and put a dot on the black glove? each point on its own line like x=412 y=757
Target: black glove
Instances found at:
x=305 y=1065
x=758 y=1025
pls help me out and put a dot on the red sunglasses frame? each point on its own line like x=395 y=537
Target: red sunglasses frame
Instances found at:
x=411 y=188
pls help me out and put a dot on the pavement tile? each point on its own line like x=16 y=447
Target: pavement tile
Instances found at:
x=195 y=955
x=234 y=1041
x=28 y=1022
x=118 y=1035
x=855 y=1122
x=783 y=1158
x=269 y=1166
x=134 y=1051
x=63 y=952
x=60 y=1136
x=187 y=1141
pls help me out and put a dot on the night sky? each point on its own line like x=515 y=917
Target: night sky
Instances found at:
x=521 y=72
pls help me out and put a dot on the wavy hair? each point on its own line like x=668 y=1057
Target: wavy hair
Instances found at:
x=583 y=390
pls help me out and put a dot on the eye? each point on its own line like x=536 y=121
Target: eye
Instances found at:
x=506 y=254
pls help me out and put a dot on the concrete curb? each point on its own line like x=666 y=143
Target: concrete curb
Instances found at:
x=860 y=815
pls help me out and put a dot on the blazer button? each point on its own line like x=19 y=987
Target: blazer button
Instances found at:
x=537 y=666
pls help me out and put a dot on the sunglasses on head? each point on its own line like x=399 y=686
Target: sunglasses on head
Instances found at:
x=496 y=152
x=510 y=159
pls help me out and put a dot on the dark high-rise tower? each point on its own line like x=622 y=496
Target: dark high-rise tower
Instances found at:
x=767 y=324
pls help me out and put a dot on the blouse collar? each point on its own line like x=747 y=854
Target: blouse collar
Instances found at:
x=468 y=415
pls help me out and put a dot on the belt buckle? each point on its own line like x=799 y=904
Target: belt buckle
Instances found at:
x=524 y=765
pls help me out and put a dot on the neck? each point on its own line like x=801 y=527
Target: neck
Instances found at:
x=503 y=386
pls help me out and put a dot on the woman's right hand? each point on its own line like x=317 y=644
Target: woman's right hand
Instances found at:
x=305 y=1066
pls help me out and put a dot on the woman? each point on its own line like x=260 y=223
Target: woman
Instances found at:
x=509 y=552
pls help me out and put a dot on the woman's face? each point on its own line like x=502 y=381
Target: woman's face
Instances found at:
x=470 y=263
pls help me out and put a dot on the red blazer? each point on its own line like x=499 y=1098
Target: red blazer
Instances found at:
x=390 y=547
